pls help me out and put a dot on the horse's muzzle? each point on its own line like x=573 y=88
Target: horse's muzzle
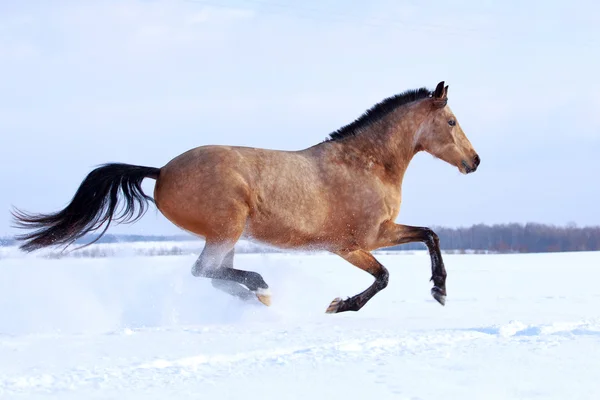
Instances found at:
x=474 y=164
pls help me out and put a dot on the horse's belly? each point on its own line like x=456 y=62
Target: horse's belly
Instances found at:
x=329 y=231
x=293 y=227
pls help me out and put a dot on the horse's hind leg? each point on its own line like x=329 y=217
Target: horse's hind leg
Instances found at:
x=234 y=288
x=230 y=287
x=216 y=262
x=365 y=261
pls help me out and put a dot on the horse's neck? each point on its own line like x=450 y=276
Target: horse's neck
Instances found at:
x=389 y=142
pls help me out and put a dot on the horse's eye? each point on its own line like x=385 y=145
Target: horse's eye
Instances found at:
x=451 y=122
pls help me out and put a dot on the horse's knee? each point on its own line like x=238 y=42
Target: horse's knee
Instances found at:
x=196 y=271
x=382 y=279
x=429 y=237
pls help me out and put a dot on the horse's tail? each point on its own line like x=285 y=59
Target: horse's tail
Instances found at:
x=93 y=205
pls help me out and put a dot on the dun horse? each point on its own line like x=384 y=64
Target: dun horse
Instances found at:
x=341 y=195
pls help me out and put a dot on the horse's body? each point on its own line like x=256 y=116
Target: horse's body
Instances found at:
x=341 y=195
x=305 y=199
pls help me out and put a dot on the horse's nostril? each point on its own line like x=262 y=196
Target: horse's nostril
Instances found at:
x=476 y=160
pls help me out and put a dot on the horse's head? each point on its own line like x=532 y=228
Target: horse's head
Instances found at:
x=441 y=134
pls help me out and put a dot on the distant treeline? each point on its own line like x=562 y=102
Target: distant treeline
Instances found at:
x=516 y=238
x=502 y=238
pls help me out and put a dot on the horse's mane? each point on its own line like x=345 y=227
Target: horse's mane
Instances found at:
x=379 y=111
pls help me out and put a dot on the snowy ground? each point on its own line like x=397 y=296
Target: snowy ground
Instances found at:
x=131 y=327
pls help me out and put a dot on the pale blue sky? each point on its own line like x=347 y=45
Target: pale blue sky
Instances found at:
x=83 y=83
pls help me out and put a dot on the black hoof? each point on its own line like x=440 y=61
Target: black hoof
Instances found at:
x=335 y=306
x=439 y=295
x=338 y=305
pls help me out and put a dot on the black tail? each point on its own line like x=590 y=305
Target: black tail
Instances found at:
x=93 y=205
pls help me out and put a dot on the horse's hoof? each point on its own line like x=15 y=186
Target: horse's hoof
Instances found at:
x=264 y=296
x=334 y=306
x=439 y=295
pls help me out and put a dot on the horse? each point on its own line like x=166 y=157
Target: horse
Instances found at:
x=340 y=196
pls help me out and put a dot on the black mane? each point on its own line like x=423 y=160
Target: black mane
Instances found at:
x=379 y=111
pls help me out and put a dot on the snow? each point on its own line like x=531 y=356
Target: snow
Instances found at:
x=523 y=326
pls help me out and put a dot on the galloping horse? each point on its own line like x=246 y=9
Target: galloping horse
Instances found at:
x=341 y=195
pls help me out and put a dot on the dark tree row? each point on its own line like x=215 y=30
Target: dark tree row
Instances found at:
x=517 y=238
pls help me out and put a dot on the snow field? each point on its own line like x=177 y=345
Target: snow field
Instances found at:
x=523 y=326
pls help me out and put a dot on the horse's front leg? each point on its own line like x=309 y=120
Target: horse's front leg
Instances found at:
x=365 y=261
x=392 y=234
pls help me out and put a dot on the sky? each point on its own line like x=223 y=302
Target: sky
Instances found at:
x=85 y=83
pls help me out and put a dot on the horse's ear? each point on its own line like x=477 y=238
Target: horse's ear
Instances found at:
x=439 y=91
x=446 y=92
